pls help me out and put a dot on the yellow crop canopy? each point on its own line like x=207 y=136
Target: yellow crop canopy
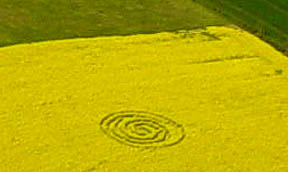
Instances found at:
x=213 y=99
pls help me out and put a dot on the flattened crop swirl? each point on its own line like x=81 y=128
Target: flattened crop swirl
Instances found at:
x=142 y=129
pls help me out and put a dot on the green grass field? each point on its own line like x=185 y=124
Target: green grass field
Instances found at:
x=37 y=20
x=267 y=19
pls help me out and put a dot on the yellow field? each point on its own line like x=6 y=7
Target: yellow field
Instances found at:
x=200 y=100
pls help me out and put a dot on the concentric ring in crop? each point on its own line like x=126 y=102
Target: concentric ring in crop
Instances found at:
x=142 y=129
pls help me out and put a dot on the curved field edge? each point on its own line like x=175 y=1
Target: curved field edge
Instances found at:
x=34 y=21
x=197 y=35
x=265 y=18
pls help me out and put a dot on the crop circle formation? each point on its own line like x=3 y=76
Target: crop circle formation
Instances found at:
x=142 y=129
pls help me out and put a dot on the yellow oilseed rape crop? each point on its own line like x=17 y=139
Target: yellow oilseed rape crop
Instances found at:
x=213 y=99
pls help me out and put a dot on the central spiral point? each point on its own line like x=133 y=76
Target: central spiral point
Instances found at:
x=142 y=129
